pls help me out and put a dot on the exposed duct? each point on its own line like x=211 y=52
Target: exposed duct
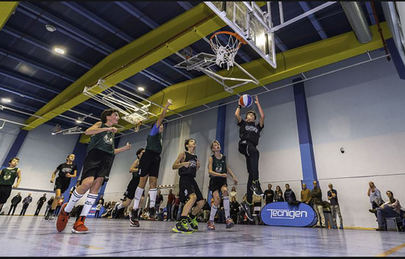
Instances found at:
x=357 y=20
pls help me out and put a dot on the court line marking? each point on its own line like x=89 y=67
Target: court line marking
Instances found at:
x=392 y=250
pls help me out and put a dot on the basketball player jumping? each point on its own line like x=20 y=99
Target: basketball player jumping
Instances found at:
x=249 y=134
x=149 y=167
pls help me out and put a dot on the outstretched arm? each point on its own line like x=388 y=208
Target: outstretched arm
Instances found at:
x=237 y=113
x=261 y=122
x=96 y=128
x=18 y=179
x=163 y=114
x=122 y=149
x=235 y=180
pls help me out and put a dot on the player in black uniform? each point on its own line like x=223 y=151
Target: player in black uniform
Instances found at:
x=188 y=164
x=218 y=171
x=65 y=172
x=7 y=178
x=97 y=166
x=149 y=168
x=130 y=192
x=249 y=133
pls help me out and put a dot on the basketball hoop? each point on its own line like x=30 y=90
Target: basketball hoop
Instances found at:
x=226 y=53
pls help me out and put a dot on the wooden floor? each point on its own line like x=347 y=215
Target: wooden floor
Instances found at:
x=34 y=236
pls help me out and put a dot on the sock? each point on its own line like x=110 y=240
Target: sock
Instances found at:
x=226 y=206
x=213 y=212
x=120 y=206
x=152 y=195
x=90 y=200
x=138 y=196
x=72 y=201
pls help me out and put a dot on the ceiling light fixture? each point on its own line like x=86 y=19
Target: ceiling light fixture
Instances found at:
x=141 y=89
x=50 y=28
x=59 y=50
x=5 y=100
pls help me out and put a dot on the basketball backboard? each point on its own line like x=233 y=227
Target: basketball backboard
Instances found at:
x=252 y=23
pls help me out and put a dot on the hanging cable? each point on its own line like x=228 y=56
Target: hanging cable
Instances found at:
x=380 y=30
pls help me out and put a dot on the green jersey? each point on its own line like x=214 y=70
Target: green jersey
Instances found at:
x=8 y=176
x=219 y=165
x=103 y=141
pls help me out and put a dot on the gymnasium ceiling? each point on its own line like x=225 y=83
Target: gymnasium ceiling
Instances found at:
x=32 y=75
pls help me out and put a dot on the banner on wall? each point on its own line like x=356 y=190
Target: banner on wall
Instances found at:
x=282 y=214
x=92 y=212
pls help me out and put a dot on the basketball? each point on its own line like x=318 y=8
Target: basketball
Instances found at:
x=246 y=100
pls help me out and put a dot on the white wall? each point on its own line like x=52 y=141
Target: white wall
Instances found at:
x=39 y=155
x=8 y=134
x=362 y=110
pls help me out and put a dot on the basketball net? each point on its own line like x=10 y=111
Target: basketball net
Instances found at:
x=226 y=52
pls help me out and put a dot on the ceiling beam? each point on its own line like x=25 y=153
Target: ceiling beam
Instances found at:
x=132 y=10
x=313 y=20
x=6 y=10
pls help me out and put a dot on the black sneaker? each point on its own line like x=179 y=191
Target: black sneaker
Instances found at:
x=152 y=214
x=255 y=187
x=246 y=208
x=114 y=213
x=133 y=219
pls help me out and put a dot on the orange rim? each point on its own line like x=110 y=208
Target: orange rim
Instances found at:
x=241 y=40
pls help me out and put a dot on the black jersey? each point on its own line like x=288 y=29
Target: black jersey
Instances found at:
x=249 y=131
x=192 y=169
x=64 y=169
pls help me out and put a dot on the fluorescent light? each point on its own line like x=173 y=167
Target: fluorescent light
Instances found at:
x=79 y=121
x=141 y=89
x=59 y=50
x=5 y=100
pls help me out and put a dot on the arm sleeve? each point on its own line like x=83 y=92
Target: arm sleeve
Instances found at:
x=154 y=130
x=241 y=123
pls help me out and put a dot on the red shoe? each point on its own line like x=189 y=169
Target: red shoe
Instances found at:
x=79 y=227
x=63 y=219
x=210 y=225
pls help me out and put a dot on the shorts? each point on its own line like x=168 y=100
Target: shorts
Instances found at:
x=5 y=191
x=97 y=164
x=131 y=188
x=61 y=184
x=188 y=186
x=149 y=164
x=216 y=183
x=246 y=148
